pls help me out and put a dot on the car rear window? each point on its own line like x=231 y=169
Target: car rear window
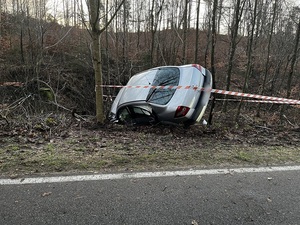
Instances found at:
x=168 y=76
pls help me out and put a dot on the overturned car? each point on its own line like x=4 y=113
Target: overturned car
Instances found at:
x=173 y=96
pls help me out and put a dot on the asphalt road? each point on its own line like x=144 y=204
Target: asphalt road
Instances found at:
x=232 y=198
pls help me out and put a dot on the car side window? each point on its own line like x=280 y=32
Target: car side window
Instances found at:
x=168 y=76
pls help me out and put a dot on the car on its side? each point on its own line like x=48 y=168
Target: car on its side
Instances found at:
x=178 y=99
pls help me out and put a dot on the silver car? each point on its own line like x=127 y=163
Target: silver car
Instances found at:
x=178 y=99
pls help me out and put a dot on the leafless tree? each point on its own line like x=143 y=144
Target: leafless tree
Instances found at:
x=294 y=57
x=250 y=46
x=197 y=31
x=185 y=29
x=155 y=13
x=94 y=22
x=267 y=63
x=212 y=60
x=234 y=29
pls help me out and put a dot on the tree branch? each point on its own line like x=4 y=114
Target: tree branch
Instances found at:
x=113 y=16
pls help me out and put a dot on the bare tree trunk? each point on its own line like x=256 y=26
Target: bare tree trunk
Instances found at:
x=94 y=16
x=220 y=15
x=208 y=33
x=153 y=31
x=117 y=49
x=293 y=62
x=154 y=24
x=94 y=12
x=125 y=37
x=107 y=53
x=213 y=43
x=0 y=18
x=140 y=7
x=197 y=32
x=21 y=45
x=66 y=10
x=185 y=27
x=74 y=13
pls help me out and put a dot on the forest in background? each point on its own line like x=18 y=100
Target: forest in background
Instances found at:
x=249 y=46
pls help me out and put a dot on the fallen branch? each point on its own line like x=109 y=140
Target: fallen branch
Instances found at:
x=6 y=109
x=15 y=84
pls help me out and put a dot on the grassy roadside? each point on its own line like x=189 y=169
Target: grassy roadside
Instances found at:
x=121 y=148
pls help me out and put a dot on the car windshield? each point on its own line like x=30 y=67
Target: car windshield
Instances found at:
x=168 y=76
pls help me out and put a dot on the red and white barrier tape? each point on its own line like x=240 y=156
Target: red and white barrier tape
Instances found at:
x=262 y=97
x=267 y=99
x=254 y=101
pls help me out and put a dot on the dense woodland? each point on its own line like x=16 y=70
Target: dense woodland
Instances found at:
x=50 y=47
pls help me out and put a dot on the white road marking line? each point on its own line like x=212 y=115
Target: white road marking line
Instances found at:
x=118 y=176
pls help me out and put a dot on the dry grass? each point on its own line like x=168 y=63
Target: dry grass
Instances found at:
x=118 y=148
